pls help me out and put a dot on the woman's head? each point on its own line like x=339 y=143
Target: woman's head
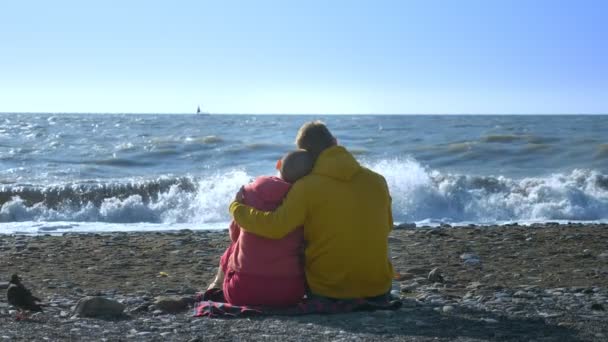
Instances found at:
x=295 y=165
x=314 y=137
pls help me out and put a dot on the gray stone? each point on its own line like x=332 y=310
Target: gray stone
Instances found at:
x=474 y=285
x=98 y=307
x=489 y=320
x=139 y=309
x=470 y=259
x=472 y=262
x=523 y=294
x=409 y=287
x=447 y=308
x=435 y=276
x=173 y=304
x=465 y=256
x=3 y=285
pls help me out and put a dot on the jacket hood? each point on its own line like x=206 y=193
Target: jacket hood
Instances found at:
x=266 y=192
x=336 y=162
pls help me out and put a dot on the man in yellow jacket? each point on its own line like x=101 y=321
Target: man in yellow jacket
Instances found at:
x=346 y=213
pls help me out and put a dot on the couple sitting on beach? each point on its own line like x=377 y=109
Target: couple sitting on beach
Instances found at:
x=321 y=229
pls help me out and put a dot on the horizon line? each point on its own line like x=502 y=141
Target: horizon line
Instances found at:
x=275 y=113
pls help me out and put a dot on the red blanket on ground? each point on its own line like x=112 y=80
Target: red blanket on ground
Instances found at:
x=211 y=304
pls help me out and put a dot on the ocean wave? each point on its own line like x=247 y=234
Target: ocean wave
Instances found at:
x=260 y=146
x=460 y=147
x=501 y=138
x=537 y=147
x=422 y=194
x=167 y=200
x=210 y=139
x=418 y=193
x=123 y=162
x=509 y=138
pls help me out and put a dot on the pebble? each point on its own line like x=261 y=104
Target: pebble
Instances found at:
x=474 y=285
x=435 y=275
x=409 y=287
x=447 y=308
x=523 y=294
x=472 y=262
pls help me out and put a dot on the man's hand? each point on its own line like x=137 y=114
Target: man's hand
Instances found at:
x=240 y=195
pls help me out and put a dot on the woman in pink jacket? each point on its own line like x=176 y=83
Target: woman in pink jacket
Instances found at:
x=259 y=271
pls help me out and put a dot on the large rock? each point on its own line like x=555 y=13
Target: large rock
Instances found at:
x=173 y=304
x=94 y=306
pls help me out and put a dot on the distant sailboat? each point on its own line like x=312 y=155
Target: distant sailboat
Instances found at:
x=199 y=112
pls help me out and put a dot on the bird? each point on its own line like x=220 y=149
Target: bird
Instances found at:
x=21 y=298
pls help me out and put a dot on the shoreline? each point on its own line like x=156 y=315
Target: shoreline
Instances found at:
x=512 y=282
x=51 y=228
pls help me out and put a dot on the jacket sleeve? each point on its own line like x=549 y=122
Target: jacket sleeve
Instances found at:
x=273 y=224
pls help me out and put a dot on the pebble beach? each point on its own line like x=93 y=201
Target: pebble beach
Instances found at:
x=545 y=282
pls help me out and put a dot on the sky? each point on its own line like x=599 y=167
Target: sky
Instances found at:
x=314 y=56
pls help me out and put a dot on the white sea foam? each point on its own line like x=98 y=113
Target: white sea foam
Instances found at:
x=206 y=205
x=419 y=195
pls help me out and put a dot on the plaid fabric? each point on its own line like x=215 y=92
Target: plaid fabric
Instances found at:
x=211 y=304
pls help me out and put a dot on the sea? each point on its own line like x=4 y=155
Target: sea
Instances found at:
x=147 y=172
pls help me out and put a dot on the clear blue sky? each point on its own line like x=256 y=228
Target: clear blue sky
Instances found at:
x=313 y=56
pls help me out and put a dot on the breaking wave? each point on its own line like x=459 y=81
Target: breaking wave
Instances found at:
x=166 y=200
x=418 y=194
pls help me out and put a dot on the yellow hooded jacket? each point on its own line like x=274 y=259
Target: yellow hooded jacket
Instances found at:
x=346 y=213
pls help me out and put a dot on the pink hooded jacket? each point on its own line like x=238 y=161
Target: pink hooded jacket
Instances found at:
x=255 y=255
